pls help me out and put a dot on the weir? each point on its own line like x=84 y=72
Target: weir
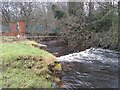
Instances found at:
x=92 y=68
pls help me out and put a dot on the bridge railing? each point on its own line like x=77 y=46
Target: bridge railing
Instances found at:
x=41 y=38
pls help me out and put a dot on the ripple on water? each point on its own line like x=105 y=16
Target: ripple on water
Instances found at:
x=92 y=68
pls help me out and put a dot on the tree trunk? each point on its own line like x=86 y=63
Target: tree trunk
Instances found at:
x=119 y=22
x=90 y=15
x=75 y=8
x=91 y=8
x=71 y=8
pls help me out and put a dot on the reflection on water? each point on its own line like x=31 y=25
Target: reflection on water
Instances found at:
x=93 y=68
x=56 y=47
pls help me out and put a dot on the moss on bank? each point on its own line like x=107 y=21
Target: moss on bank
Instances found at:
x=25 y=66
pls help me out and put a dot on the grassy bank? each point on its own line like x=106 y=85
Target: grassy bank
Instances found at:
x=25 y=66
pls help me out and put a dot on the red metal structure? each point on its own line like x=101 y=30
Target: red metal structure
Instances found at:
x=15 y=29
x=12 y=28
x=21 y=27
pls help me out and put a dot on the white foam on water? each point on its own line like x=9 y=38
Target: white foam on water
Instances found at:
x=88 y=56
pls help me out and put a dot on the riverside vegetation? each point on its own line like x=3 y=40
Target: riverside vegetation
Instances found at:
x=25 y=66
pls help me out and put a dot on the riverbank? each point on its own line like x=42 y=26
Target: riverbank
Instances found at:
x=25 y=66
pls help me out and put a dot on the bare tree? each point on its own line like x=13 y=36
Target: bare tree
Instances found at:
x=5 y=12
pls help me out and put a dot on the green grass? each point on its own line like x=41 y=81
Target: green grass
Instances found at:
x=8 y=38
x=24 y=66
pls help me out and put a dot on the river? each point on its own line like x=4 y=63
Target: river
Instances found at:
x=92 y=68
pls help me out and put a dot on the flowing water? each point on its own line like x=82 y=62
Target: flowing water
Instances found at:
x=92 y=68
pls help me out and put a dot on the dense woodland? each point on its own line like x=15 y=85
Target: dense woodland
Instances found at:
x=80 y=24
